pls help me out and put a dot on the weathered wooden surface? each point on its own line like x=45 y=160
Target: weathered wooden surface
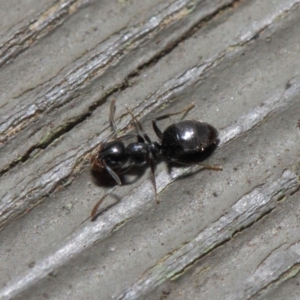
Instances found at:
x=215 y=235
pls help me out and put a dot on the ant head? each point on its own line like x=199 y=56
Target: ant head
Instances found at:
x=114 y=154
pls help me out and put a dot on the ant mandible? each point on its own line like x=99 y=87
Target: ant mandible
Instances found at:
x=184 y=142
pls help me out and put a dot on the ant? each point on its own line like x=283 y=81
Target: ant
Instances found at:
x=186 y=142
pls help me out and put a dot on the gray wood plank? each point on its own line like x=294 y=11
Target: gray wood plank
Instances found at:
x=215 y=235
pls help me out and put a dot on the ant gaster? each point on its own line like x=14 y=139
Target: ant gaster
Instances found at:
x=184 y=142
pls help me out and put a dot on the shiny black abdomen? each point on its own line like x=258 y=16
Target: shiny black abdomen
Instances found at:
x=188 y=140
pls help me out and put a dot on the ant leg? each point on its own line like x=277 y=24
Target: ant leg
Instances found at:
x=140 y=139
x=208 y=167
x=94 y=213
x=139 y=126
x=157 y=131
x=93 y=216
x=184 y=111
x=112 y=173
x=112 y=122
x=152 y=166
x=95 y=208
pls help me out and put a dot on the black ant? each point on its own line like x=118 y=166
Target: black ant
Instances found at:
x=186 y=142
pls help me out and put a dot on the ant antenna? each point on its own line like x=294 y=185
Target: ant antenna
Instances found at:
x=112 y=116
x=138 y=125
